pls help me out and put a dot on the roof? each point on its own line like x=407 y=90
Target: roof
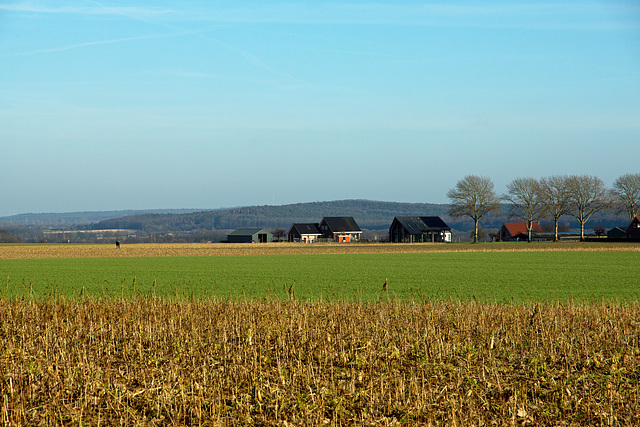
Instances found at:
x=422 y=224
x=339 y=224
x=617 y=232
x=515 y=228
x=434 y=222
x=635 y=220
x=306 y=228
x=246 y=231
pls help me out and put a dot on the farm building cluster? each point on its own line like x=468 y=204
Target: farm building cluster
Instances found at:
x=518 y=231
x=412 y=229
x=345 y=229
x=631 y=232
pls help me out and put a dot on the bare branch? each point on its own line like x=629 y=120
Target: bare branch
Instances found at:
x=525 y=201
x=588 y=197
x=473 y=196
x=626 y=194
x=555 y=194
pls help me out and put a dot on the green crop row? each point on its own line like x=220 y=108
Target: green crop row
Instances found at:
x=485 y=276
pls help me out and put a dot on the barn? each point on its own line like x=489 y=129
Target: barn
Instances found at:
x=633 y=229
x=419 y=229
x=617 y=233
x=250 y=235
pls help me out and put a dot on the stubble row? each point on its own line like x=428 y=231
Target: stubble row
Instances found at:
x=192 y=362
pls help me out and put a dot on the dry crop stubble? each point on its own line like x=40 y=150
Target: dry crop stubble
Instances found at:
x=151 y=362
x=30 y=251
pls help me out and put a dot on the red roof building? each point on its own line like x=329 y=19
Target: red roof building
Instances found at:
x=514 y=231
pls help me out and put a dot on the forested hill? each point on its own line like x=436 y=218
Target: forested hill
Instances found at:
x=76 y=218
x=369 y=214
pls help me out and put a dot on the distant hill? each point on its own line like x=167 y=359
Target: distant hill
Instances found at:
x=374 y=216
x=74 y=218
x=369 y=214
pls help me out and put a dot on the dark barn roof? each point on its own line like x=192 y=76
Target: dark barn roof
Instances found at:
x=617 y=232
x=245 y=232
x=339 y=224
x=422 y=224
x=435 y=222
x=306 y=228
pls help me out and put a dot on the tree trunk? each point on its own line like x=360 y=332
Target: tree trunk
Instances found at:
x=475 y=233
x=555 y=237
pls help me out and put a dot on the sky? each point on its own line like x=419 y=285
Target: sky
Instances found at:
x=111 y=105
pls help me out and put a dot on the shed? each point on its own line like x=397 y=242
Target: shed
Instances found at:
x=306 y=233
x=250 y=235
x=617 y=233
x=419 y=229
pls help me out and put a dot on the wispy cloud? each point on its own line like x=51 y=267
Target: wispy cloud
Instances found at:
x=86 y=9
x=508 y=14
x=99 y=42
x=146 y=15
x=546 y=15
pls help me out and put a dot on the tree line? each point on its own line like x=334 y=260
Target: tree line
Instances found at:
x=530 y=199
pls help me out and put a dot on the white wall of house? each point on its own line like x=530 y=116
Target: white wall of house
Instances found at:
x=308 y=238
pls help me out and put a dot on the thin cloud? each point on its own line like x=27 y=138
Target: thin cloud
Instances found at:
x=74 y=9
x=99 y=42
x=141 y=14
x=549 y=15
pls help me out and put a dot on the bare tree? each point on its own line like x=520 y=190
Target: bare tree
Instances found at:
x=588 y=196
x=555 y=193
x=626 y=194
x=525 y=201
x=599 y=230
x=279 y=234
x=473 y=196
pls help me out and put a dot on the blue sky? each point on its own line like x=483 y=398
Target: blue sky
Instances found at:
x=110 y=105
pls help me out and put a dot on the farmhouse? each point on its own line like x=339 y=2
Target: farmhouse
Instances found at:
x=516 y=231
x=633 y=229
x=341 y=229
x=419 y=229
x=250 y=235
x=305 y=233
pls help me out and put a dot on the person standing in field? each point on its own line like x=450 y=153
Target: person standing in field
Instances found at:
x=117 y=244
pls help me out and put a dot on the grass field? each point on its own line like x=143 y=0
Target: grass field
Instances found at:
x=441 y=273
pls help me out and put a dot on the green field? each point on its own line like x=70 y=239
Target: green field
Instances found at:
x=485 y=276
